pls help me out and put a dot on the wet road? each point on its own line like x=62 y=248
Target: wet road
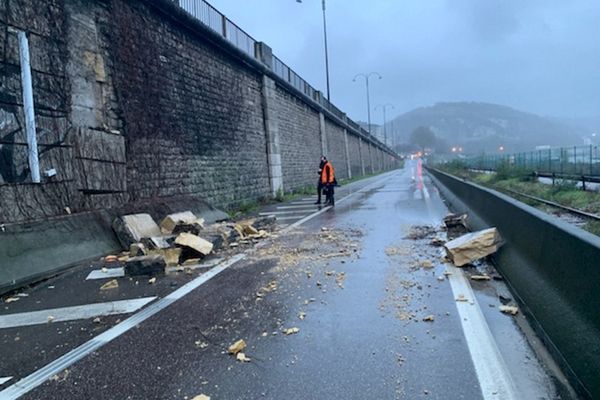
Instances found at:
x=357 y=281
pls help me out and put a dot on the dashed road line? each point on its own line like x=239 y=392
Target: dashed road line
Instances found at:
x=290 y=217
x=278 y=212
x=311 y=206
x=35 y=379
x=72 y=313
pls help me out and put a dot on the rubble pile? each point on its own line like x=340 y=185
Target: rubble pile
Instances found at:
x=180 y=240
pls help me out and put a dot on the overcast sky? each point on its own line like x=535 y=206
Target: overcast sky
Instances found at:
x=541 y=56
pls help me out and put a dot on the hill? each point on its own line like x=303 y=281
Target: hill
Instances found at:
x=478 y=127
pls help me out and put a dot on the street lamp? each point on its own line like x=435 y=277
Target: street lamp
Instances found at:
x=367 y=76
x=326 y=51
x=383 y=107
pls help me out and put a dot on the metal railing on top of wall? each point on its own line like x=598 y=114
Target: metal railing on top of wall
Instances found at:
x=216 y=21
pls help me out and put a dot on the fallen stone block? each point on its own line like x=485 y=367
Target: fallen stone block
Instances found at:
x=137 y=249
x=178 y=222
x=195 y=243
x=473 y=246
x=246 y=228
x=145 y=265
x=133 y=228
x=454 y=220
x=171 y=255
x=267 y=223
x=158 y=242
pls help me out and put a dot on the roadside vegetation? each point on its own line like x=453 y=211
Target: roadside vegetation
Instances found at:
x=508 y=179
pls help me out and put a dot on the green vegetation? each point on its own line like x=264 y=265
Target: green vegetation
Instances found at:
x=508 y=179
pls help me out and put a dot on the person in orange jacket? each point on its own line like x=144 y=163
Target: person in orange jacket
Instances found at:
x=328 y=181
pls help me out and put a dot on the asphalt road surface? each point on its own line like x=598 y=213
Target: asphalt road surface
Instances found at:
x=374 y=305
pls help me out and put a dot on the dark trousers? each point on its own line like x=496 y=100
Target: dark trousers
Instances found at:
x=329 y=194
x=320 y=188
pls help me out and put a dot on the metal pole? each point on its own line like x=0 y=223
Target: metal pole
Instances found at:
x=34 y=162
x=326 y=51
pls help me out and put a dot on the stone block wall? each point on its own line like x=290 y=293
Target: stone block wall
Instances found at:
x=135 y=104
x=336 y=149
x=193 y=116
x=299 y=139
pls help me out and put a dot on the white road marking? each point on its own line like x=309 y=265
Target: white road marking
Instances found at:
x=311 y=201
x=311 y=206
x=73 y=313
x=32 y=381
x=493 y=375
x=5 y=379
x=106 y=274
x=289 y=217
x=279 y=212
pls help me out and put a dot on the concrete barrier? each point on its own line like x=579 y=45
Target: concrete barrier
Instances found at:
x=553 y=269
x=32 y=251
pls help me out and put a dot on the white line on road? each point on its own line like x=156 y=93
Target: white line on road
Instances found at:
x=106 y=273
x=281 y=212
x=494 y=379
x=41 y=375
x=312 y=206
x=310 y=201
x=5 y=379
x=73 y=313
x=289 y=217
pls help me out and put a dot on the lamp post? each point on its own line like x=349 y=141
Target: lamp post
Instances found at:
x=367 y=76
x=383 y=108
x=326 y=50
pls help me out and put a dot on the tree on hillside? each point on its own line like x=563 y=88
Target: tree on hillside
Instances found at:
x=423 y=137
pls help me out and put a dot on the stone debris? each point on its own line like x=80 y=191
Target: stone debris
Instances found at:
x=291 y=331
x=427 y=264
x=241 y=357
x=195 y=243
x=152 y=281
x=201 y=397
x=437 y=242
x=113 y=284
x=237 y=347
x=111 y=259
x=429 y=318
x=473 y=246
x=11 y=300
x=267 y=223
x=145 y=265
x=455 y=220
x=480 y=277
x=462 y=298
x=137 y=249
x=512 y=310
x=179 y=222
x=132 y=228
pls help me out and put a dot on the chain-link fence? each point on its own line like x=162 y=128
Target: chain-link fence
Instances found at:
x=576 y=161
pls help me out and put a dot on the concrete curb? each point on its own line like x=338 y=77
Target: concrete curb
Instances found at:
x=552 y=267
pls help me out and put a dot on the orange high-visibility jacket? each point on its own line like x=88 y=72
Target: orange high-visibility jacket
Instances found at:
x=327 y=174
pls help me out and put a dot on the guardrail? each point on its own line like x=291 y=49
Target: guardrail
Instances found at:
x=552 y=269
x=219 y=23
